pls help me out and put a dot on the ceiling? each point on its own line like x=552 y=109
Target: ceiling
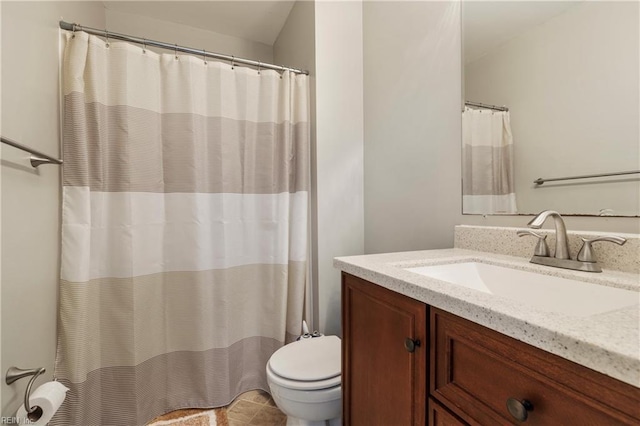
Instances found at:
x=489 y=24
x=259 y=21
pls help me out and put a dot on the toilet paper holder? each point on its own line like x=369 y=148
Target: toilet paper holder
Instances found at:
x=15 y=373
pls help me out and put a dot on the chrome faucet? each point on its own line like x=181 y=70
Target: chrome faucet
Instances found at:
x=585 y=260
x=562 y=243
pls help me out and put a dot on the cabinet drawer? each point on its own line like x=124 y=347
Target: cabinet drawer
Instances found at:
x=440 y=416
x=476 y=370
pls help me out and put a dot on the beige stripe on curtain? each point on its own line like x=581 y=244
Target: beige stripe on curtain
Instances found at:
x=185 y=230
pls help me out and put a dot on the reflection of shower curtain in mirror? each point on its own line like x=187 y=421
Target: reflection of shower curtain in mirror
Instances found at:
x=487 y=165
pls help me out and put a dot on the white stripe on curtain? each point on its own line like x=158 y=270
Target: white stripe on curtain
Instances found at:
x=159 y=230
x=214 y=93
x=184 y=230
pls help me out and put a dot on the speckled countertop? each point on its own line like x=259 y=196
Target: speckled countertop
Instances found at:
x=607 y=342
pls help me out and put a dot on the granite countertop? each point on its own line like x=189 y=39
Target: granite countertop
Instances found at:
x=608 y=342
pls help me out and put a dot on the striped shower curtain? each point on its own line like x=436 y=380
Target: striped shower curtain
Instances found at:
x=184 y=234
x=488 y=182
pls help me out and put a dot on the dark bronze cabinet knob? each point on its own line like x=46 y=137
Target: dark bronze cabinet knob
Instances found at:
x=519 y=409
x=410 y=344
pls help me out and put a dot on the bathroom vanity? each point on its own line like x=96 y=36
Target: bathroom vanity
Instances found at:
x=419 y=350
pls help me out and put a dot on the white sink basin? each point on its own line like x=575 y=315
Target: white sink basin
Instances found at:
x=543 y=291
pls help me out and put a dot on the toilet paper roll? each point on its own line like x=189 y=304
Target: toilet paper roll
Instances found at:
x=49 y=397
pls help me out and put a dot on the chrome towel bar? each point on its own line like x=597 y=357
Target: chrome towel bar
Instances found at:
x=37 y=158
x=540 y=181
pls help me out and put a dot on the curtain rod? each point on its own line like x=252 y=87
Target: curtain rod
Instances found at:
x=199 y=52
x=481 y=105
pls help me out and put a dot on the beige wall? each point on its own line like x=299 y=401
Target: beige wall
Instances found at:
x=412 y=124
x=30 y=198
x=572 y=86
x=295 y=47
x=185 y=35
x=339 y=151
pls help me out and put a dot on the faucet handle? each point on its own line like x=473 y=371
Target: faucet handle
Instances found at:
x=586 y=253
x=542 y=249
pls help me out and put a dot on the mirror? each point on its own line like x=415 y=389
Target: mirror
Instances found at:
x=553 y=92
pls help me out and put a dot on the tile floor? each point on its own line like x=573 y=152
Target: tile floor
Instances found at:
x=193 y=417
x=255 y=408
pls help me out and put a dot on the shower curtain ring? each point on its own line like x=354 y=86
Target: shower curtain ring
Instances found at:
x=107 y=44
x=73 y=29
x=259 y=65
x=233 y=60
x=144 y=45
x=175 y=50
x=204 y=56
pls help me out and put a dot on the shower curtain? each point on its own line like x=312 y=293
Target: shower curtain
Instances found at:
x=184 y=233
x=487 y=162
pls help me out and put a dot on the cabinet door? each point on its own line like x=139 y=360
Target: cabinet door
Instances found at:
x=384 y=382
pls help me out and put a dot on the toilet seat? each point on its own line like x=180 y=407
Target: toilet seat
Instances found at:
x=302 y=385
x=308 y=364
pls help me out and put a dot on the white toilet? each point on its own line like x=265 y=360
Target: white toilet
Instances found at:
x=304 y=378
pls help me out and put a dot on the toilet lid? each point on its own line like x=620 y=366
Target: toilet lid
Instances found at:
x=310 y=359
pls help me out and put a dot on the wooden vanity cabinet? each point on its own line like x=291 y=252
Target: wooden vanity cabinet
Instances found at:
x=384 y=375
x=471 y=371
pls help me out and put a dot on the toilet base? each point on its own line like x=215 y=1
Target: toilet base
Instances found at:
x=293 y=421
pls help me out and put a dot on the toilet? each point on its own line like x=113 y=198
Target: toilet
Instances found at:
x=304 y=379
